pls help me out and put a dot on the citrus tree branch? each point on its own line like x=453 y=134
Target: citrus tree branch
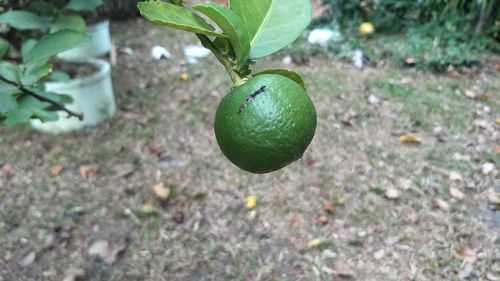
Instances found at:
x=207 y=43
x=55 y=104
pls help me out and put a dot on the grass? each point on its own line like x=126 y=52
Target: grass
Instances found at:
x=218 y=239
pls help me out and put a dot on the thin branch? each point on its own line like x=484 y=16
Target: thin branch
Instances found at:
x=44 y=99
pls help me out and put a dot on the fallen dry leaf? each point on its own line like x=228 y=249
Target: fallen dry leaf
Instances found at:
x=328 y=207
x=441 y=204
x=7 y=170
x=28 y=259
x=314 y=243
x=466 y=254
x=322 y=220
x=346 y=120
x=496 y=150
x=343 y=271
x=88 y=173
x=251 y=202
x=161 y=191
x=484 y=97
x=410 y=139
x=455 y=176
x=497 y=120
x=456 y=193
x=392 y=193
x=105 y=251
x=470 y=94
x=56 y=170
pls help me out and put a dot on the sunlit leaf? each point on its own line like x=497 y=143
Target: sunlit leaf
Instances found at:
x=176 y=17
x=272 y=24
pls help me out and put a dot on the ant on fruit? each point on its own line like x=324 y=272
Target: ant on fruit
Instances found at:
x=250 y=97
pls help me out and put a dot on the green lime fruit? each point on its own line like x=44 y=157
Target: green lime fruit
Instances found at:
x=265 y=124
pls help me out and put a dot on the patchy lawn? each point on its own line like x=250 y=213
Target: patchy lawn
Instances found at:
x=381 y=209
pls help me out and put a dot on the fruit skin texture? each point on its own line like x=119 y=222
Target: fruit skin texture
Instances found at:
x=270 y=130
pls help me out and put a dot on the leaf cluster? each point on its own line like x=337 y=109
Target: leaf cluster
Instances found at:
x=32 y=32
x=240 y=33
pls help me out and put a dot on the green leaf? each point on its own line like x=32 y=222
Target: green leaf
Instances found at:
x=43 y=8
x=83 y=5
x=294 y=76
x=7 y=103
x=56 y=43
x=59 y=76
x=231 y=26
x=4 y=47
x=44 y=115
x=10 y=72
x=22 y=20
x=73 y=22
x=272 y=24
x=176 y=17
x=8 y=89
x=35 y=72
x=17 y=116
x=27 y=46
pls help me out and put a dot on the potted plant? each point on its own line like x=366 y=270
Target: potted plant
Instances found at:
x=31 y=89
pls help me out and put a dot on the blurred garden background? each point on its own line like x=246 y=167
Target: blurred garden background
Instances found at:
x=401 y=181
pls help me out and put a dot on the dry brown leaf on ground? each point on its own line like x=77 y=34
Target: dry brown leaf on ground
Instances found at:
x=392 y=193
x=441 y=204
x=456 y=193
x=322 y=220
x=410 y=139
x=88 y=173
x=161 y=192
x=328 y=207
x=466 y=254
x=7 y=170
x=343 y=270
x=56 y=170
x=105 y=251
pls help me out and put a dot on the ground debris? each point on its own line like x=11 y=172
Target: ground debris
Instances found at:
x=105 y=251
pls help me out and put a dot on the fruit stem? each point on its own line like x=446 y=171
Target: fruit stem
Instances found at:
x=207 y=43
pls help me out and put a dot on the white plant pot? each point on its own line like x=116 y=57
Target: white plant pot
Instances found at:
x=92 y=96
x=100 y=45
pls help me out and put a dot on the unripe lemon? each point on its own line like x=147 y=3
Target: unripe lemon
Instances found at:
x=265 y=124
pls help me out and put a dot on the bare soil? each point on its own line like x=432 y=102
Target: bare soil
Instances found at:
x=381 y=209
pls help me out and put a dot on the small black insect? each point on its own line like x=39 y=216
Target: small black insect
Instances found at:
x=250 y=97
